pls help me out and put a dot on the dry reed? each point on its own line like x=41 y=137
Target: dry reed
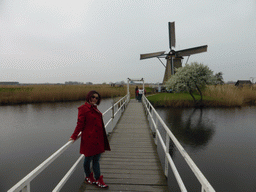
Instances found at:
x=223 y=95
x=56 y=93
x=231 y=96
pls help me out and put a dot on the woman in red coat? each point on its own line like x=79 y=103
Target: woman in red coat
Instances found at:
x=94 y=139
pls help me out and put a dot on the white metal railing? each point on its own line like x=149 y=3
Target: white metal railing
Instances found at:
x=151 y=112
x=24 y=184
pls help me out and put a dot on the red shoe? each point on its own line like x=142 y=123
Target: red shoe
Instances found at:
x=90 y=179
x=100 y=183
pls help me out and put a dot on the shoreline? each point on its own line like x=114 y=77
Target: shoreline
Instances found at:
x=191 y=104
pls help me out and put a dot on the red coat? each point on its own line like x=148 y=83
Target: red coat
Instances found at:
x=94 y=138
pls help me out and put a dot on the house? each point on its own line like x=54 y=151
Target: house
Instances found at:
x=9 y=83
x=241 y=83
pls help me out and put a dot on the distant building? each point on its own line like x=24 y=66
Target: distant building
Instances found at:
x=241 y=83
x=231 y=82
x=73 y=83
x=9 y=83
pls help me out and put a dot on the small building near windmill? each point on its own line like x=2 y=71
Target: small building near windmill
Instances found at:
x=241 y=83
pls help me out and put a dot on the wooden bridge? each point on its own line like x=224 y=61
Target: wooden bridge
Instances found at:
x=133 y=163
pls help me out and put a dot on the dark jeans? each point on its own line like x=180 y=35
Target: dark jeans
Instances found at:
x=139 y=97
x=95 y=165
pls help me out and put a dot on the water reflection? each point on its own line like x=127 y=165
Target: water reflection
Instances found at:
x=220 y=141
x=190 y=127
x=195 y=131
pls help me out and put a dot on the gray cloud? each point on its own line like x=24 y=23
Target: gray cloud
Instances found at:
x=100 y=41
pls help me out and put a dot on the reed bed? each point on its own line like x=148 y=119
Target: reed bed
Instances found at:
x=10 y=95
x=213 y=96
x=232 y=96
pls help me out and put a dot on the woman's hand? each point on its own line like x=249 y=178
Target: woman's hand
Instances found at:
x=71 y=140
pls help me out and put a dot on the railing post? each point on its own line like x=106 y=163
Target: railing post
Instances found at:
x=128 y=91
x=122 y=106
x=167 y=145
x=152 y=125
x=113 y=115
x=156 y=130
x=145 y=104
x=26 y=189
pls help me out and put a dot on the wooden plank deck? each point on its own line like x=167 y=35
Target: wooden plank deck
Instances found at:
x=133 y=163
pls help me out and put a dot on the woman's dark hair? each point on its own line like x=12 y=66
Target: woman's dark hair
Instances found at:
x=90 y=94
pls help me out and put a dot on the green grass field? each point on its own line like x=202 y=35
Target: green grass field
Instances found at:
x=171 y=96
x=174 y=99
x=213 y=96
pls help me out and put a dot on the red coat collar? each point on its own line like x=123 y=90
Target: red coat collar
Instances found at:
x=94 y=107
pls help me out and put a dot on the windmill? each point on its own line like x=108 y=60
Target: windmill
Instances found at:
x=173 y=58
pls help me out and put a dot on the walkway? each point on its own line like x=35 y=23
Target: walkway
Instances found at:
x=133 y=163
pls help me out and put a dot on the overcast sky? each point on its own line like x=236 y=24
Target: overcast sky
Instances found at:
x=101 y=41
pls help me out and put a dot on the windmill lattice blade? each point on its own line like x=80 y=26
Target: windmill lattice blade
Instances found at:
x=172 y=39
x=191 y=51
x=149 y=55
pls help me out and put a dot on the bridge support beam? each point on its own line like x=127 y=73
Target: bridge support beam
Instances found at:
x=128 y=82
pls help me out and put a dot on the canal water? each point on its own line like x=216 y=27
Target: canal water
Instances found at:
x=220 y=141
x=30 y=134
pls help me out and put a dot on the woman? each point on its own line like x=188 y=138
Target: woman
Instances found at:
x=94 y=140
x=136 y=92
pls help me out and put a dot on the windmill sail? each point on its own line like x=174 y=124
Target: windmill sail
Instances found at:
x=172 y=40
x=173 y=58
x=150 y=55
x=191 y=51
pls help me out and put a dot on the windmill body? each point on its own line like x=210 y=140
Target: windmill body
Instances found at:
x=173 y=58
x=171 y=64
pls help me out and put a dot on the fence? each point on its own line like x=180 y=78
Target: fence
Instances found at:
x=154 y=120
x=24 y=184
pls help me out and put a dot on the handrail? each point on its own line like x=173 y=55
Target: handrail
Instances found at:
x=122 y=100
x=24 y=184
x=206 y=186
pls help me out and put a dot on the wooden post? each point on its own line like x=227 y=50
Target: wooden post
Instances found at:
x=113 y=115
x=156 y=130
x=167 y=145
x=143 y=86
x=128 y=81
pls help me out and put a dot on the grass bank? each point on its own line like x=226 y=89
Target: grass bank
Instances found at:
x=214 y=96
x=177 y=100
x=10 y=95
